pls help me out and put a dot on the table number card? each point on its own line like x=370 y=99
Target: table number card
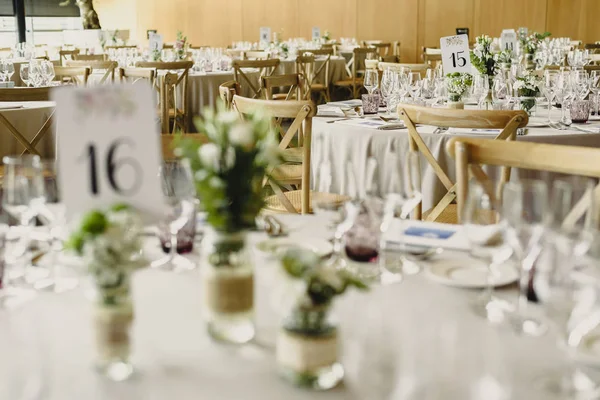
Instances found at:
x=455 y=54
x=316 y=33
x=265 y=34
x=156 y=41
x=508 y=40
x=108 y=149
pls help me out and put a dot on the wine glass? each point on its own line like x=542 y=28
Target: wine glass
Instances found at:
x=548 y=88
x=594 y=82
x=48 y=71
x=387 y=87
x=481 y=88
x=414 y=85
x=9 y=70
x=525 y=208
x=500 y=93
x=178 y=188
x=371 y=80
x=24 y=71
x=486 y=232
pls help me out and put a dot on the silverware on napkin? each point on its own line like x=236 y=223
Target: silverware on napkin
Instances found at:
x=389 y=127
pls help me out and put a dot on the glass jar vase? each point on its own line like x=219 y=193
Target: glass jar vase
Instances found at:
x=528 y=104
x=307 y=348
x=228 y=286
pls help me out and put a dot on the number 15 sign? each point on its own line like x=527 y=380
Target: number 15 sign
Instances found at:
x=107 y=149
x=455 y=54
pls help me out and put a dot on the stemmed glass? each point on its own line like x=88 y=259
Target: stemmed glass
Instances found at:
x=371 y=80
x=525 y=208
x=7 y=69
x=500 y=93
x=387 y=87
x=48 y=73
x=594 y=82
x=481 y=88
x=486 y=232
x=414 y=85
x=178 y=188
x=24 y=71
x=548 y=87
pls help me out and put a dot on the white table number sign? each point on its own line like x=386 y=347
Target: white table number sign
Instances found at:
x=316 y=33
x=156 y=41
x=108 y=149
x=265 y=34
x=455 y=54
x=508 y=40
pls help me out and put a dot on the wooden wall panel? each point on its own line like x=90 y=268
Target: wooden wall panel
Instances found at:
x=440 y=18
x=280 y=15
x=494 y=16
x=216 y=23
x=390 y=20
x=336 y=16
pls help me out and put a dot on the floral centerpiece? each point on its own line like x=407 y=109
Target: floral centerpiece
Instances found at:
x=326 y=36
x=482 y=57
x=504 y=58
x=181 y=46
x=228 y=172
x=156 y=55
x=307 y=343
x=457 y=84
x=527 y=87
x=530 y=44
x=110 y=245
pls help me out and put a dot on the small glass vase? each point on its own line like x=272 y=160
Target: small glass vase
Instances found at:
x=113 y=317
x=529 y=105
x=307 y=348
x=228 y=286
x=455 y=102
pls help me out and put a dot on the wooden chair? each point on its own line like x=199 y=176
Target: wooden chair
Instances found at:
x=108 y=67
x=90 y=57
x=168 y=143
x=65 y=55
x=396 y=47
x=391 y=59
x=383 y=48
x=235 y=54
x=355 y=68
x=432 y=56
x=135 y=75
x=177 y=96
x=302 y=112
x=507 y=121
x=471 y=153
x=26 y=94
x=290 y=81
x=227 y=91
x=309 y=75
x=317 y=52
x=256 y=55
x=594 y=48
x=264 y=67
x=77 y=76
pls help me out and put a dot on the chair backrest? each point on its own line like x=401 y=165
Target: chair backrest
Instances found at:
x=325 y=51
x=290 y=81
x=73 y=75
x=307 y=70
x=593 y=47
x=227 y=90
x=108 y=67
x=65 y=55
x=359 y=55
x=302 y=113
x=235 y=53
x=472 y=152
x=135 y=75
x=507 y=121
x=25 y=94
x=264 y=67
x=432 y=56
x=167 y=101
x=396 y=48
x=383 y=48
x=90 y=57
x=256 y=55
x=178 y=107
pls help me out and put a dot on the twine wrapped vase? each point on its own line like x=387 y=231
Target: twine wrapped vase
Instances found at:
x=455 y=102
x=228 y=287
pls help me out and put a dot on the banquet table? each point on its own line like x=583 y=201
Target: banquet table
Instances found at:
x=27 y=120
x=387 y=331
x=344 y=141
x=337 y=68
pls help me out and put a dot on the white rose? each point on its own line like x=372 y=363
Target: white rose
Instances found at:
x=209 y=155
x=241 y=135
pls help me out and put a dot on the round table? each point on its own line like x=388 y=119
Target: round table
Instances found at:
x=412 y=326
x=343 y=141
x=27 y=119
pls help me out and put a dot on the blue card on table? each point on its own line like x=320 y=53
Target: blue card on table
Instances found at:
x=429 y=233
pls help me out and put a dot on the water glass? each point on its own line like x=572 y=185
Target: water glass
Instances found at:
x=580 y=111
x=24 y=72
x=371 y=80
x=370 y=103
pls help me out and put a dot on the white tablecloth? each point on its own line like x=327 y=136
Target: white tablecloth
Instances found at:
x=339 y=143
x=381 y=331
x=28 y=121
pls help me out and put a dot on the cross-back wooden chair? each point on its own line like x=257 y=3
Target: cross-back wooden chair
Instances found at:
x=383 y=48
x=108 y=67
x=178 y=97
x=471 y=153
x=256 y=55
x=290 y=81
x=328 y=51
x=432 y=56
x=355 y=68
x=77 y=76
x=65 y=55
x=26 y=94
x=507 y=121
x=90 y=57
x=594 y=48
x=264 y=67
x=226 y=92
x=306 y=68
x=302 y=112
x=167 y=95
x=235 y=53
x=396 y=48
x=135 y=75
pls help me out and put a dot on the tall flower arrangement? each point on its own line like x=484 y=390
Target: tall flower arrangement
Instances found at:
x=527 y=87
x=482 y=57
x=181 y=46
x=531 y=43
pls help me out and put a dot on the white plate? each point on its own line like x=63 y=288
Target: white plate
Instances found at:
x=273 y=246
x=537 y=122
x=469 y=273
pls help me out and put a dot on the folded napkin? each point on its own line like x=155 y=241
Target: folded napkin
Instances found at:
x=468 y=131
x=389 y=126
x=426 y=234
x=329 y=111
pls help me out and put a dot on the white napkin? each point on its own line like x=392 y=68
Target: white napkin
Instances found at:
x=469 y=131
x=329 y=111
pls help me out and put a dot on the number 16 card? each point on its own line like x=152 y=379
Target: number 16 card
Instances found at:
x=455 y=54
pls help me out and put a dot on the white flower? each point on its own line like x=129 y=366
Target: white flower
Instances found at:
x=228 y=117
x=216 y=182
x=209 y=155
x=201 y=175
x=178 y=152
x=241 y=135
x=518 y=85
x=271 y=154
x=229 y=158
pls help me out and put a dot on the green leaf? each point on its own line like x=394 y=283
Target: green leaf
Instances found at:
x=120 y=207
x=76 y=242
x=94 y=223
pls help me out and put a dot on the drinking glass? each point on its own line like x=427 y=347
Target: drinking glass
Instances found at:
x=35 y=73
x=178 y=189
x=331 y=211
x=9 y=70
x=371 y=80
x=486 y=232
x=594 y=88
x=548 y=88
x=525 y=208
x=387 y=87
x=24 y=71
x=414 y=85
x=500 y=95
x=481 y=88
x=48 y=73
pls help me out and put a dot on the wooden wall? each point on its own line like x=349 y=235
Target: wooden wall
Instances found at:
x=415 y=23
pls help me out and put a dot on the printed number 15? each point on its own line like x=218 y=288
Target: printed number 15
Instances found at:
x=458 y=59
